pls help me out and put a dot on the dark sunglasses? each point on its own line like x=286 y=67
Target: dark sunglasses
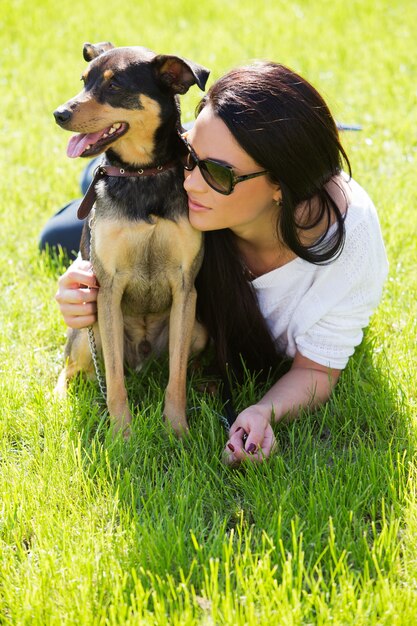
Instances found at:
x=217 y=175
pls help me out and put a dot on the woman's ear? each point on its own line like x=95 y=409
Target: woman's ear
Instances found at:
x=277 y=195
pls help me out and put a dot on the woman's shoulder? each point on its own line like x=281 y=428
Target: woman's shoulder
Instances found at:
x=361 y=222
x=360 y=206
x=362 y=262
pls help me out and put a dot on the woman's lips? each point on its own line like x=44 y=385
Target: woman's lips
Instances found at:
x=195 y=206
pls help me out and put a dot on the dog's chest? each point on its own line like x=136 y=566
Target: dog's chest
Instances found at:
x=146 y=261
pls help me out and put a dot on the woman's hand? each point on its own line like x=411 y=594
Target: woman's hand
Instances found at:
x=307 y=385
x=77 y=295
x=251 y=437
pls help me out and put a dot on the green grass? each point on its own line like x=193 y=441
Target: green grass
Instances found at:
x=157 y=531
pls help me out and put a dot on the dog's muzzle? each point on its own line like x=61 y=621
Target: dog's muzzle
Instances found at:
x=62 y=116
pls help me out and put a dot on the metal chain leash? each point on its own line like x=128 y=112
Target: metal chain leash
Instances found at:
x=93 y=349
x=91 y=338
x=224 y=421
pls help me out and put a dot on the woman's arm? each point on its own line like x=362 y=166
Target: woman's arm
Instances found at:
x=306 y=385
x=77 y=295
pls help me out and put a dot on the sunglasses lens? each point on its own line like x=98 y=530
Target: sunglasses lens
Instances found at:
x=217 y=176
x=186 y=157
x=187 y=160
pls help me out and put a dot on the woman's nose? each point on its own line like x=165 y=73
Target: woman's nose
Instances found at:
x=193 y=180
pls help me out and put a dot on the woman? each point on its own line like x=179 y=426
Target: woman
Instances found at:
x=294 y=260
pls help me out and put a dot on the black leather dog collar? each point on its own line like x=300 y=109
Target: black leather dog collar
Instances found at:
x=110 y=170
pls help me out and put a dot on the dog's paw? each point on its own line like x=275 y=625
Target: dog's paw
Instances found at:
x=178 y=426
x=127 y=432
x=122 y=426
x=60 y=389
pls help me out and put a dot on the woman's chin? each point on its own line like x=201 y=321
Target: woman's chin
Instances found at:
x=199 y=221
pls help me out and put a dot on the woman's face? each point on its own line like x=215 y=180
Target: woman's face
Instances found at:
x=252 y=203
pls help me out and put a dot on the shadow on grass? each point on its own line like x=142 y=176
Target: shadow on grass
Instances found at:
x=340 y=475
x=334 y=491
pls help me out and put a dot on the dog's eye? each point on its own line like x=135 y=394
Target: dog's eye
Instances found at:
x=114 y=86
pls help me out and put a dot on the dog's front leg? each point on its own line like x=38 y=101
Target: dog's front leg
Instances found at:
x=181 y=324
x=110 y=321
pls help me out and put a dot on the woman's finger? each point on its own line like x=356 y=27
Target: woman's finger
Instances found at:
x=257 y=447
x=79 y=310
x=80 y=321
x=75 y=296
x=75 y=278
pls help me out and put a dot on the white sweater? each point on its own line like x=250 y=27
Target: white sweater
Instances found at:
x=321 y=310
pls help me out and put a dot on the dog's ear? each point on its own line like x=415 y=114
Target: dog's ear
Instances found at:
x=179 y=74
x=93 y=50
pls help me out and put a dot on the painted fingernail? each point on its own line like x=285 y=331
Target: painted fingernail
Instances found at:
x=231 y=447
x=251 y=448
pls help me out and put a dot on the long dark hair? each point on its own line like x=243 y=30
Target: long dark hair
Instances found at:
x=284 y=124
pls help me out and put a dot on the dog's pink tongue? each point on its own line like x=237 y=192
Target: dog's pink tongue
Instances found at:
x=78 y=143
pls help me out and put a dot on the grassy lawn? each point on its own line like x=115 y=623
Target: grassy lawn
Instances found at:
x=157 y=531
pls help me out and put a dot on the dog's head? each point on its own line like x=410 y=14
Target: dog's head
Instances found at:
x=128 y=94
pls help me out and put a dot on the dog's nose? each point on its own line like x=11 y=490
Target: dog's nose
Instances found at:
x=62 y=116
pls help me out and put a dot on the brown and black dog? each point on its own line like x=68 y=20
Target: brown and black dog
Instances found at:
x=144 y=251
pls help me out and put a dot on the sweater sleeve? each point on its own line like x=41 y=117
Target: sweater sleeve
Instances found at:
x=343 y=298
